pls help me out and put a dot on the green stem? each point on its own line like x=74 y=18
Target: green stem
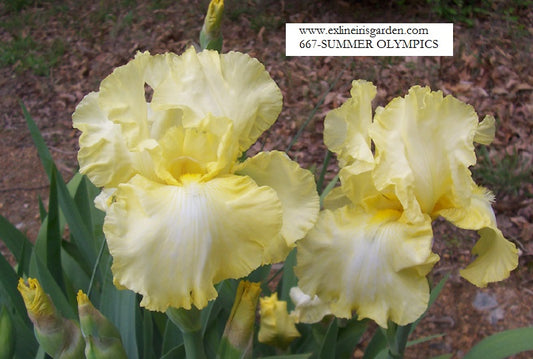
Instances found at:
x=194 y=346
x=396 y=339
x=190 y=325
x=320 y=182
x=95 y=267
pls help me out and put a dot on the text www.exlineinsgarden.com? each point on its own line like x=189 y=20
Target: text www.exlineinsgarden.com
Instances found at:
x=428 y=39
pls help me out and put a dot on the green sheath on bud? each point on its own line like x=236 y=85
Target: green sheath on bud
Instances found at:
x=59 y=337
x=238 y=335
x=102 y=338
x=210 y=36
x=7 y=335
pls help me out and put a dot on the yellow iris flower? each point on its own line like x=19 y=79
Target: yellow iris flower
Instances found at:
x=181 y=212
x=375 y=236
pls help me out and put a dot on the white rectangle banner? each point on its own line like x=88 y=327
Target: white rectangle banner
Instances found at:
x=369 y=39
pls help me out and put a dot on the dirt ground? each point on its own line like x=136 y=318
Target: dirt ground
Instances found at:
x=491 y=69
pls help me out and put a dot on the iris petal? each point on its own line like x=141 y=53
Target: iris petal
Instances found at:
x=115 y=123
x=208 y=149
x=369 y=262
x=346 y=128
x=231 y=85
x=296 y=189
x=424 y=146
x=307 y=309
x=496 y=256
x=104 y=156
x=173 y=243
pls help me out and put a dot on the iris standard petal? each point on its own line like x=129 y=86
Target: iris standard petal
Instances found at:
x=424 y=146
x=209 y=149
x=357 y=184
x=115 y=123
x=231 y=85
x=296 y=190
x=369 y=262
x=173 y=243
x=103 y=156
x=346 y=128
x=122 y=99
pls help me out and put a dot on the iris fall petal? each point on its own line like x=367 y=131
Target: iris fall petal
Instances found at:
x=172 y=243
x=496 y=256
x=369 y=262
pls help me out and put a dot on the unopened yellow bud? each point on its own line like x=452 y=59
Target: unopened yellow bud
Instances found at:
x=210 y=36
x=37 y=302
x=59 y=337
x=277 y=327
x=238 y=335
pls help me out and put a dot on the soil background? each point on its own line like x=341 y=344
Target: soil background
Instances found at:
x=52 y=53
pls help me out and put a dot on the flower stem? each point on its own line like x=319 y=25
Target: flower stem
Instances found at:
x=194 y=346
x=397 y=339
x=191 y=327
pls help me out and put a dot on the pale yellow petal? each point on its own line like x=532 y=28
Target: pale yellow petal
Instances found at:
x=231 y=85
x=346 y=128
x=486 y=131
x=496 y=256
x=296 y=190
x=123 y=94
x=424 y=146
x=171 y=244
x=122 y=99
x=277 y=250
x=104 y=155
x=208 y=149
x=357 y=183
x=370 y=263
x=476 y=215
x=307 y=309
x=104 y=199
x=116 y=123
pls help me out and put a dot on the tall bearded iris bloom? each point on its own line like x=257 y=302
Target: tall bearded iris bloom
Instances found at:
x=399 y=171
x=181 y=212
